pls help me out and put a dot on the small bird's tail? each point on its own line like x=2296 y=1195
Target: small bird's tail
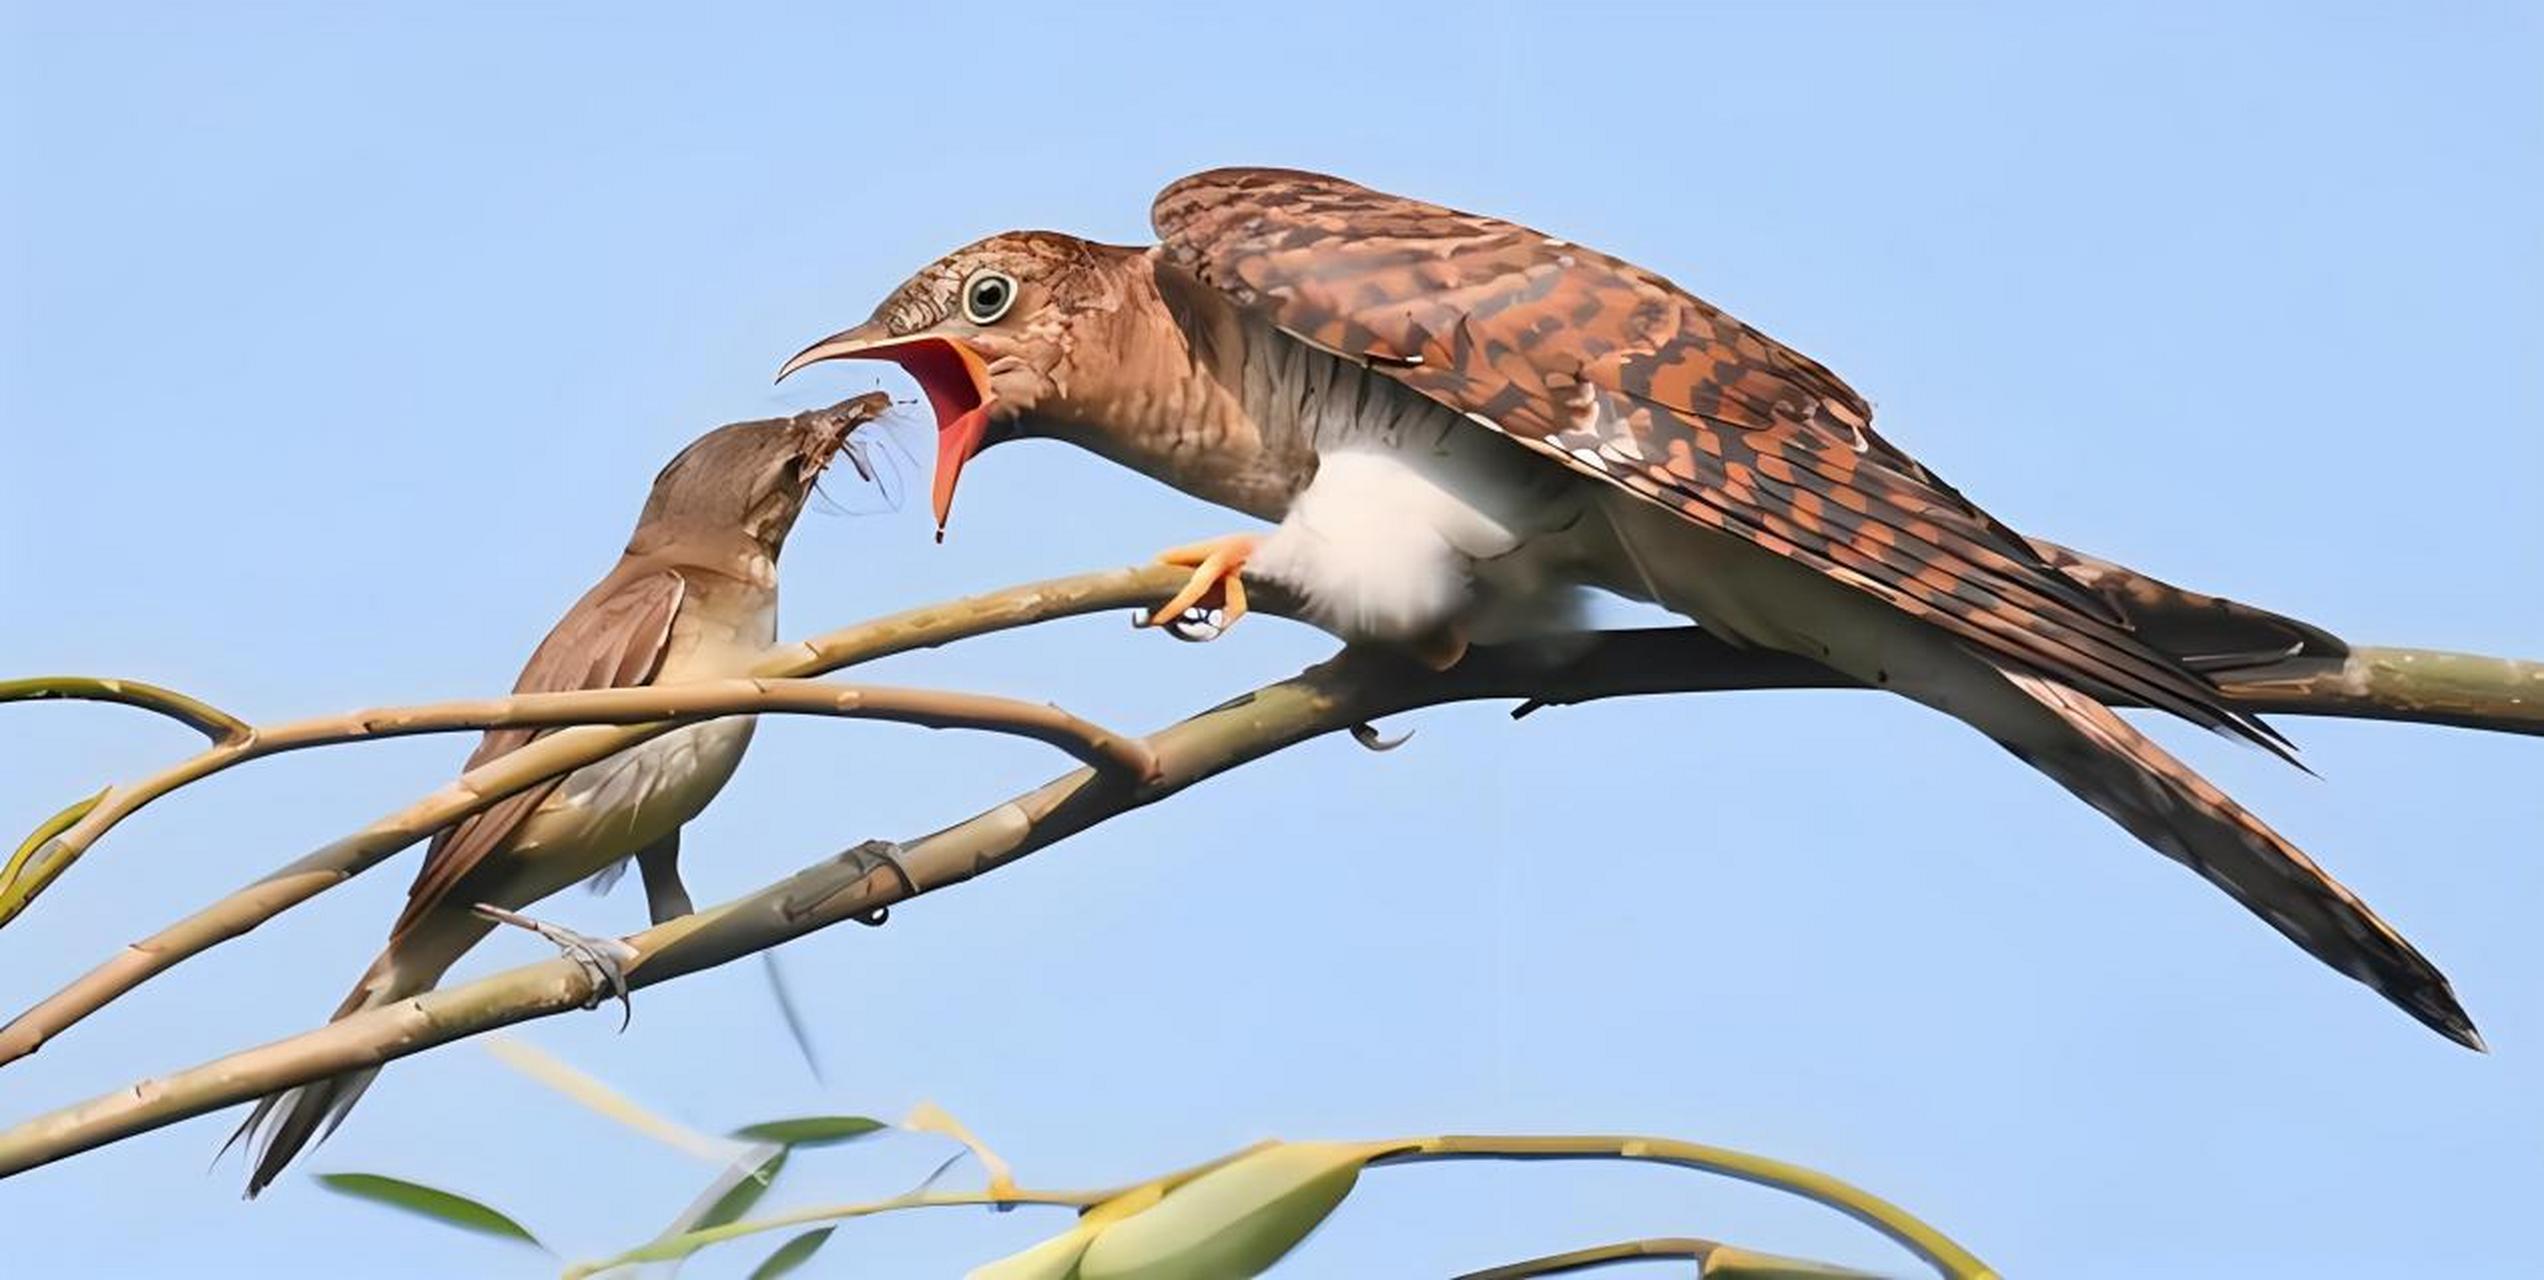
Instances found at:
x=286 y=1123
x=2094 y=753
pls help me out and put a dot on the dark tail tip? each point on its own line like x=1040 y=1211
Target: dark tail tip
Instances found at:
x=2433 y=1002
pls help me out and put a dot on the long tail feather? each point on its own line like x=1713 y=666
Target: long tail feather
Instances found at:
x=284 y=1124
x=2094 y=753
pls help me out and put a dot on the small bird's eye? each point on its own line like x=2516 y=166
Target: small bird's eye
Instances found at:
x=987 y=295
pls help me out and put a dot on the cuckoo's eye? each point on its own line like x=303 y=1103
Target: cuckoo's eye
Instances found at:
x=987 y=295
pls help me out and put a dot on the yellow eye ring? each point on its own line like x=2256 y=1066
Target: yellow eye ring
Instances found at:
x=987 y=295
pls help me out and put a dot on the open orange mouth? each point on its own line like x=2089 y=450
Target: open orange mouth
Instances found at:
x=953 y=377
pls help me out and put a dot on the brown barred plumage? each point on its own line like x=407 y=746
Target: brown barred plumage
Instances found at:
x=1449 y=414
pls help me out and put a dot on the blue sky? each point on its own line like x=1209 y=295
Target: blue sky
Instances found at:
x=337 y=347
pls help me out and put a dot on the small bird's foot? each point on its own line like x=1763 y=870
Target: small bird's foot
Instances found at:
x=880 y=853
x=604 y=960
x=1214 y=597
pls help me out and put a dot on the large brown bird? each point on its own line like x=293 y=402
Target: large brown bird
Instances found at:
x=694 y=597
x=1459 y=423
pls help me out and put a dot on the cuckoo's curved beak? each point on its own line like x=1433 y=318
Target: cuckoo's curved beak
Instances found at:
x=951 y=374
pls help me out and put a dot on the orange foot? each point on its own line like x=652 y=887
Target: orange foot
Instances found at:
x=1214 y=585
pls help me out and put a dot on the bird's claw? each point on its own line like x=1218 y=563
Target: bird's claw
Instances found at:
x=603 y=960
x=1214 y=597
x=1196 y=625
x=867 y=857
x=1366 y=734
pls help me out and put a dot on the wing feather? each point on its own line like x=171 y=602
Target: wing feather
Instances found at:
x=1621 y=375
x=614 y=637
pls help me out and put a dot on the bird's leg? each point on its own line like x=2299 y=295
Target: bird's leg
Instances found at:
x=659 y=863
x=1215 y=586
x=603 y=959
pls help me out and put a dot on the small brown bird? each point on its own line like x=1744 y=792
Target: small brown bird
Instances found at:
x=694 y=597
x=1459 y=423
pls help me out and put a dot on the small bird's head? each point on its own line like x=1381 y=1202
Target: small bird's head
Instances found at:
x=749 y=479
x=993 y=331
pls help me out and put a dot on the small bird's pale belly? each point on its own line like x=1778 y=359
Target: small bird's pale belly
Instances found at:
x=613 y=808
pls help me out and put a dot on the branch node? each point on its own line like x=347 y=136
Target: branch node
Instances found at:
x=866 y=857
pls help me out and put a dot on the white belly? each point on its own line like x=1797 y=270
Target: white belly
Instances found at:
x=612 y=808
x=1389 y=544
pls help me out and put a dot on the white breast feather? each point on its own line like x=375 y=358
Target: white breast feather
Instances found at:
x=613 y=808
x=1379 y=549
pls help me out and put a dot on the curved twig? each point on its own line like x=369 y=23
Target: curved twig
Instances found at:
x=194 y=713
x=1931 y=1246
x=56 y=845
x=1605 y=1255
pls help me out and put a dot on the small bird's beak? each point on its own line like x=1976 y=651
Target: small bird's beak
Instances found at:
x=951 y=373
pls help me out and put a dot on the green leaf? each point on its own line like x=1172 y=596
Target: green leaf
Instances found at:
x=1234 y=1221
x=738 y=1198
x=791 y=1254
x=21 y=878
x=440 y=1206
x=810 y=1131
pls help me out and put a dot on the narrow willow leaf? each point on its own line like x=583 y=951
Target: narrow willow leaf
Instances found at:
x=792 y=1254
x=927 y=1117
x=1234 y=1221
x=738 y=1198
x=810 y=1131
x=429 y=1202
x=21 y=878
x=552 y=1071
x=1730 y=1262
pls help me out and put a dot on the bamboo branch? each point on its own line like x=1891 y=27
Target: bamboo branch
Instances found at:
x=1355 y=687
x=202 y=717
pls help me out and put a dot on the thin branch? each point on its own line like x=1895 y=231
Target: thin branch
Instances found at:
x=1931 y=1246
x=194 y=713
x=2422 y=686
x=558 y=753
x=1109 y=1200
x=1904 y=1229
x=1355 y=687
x=40 y=861
x=680 y=1246
x=1600 y=1256
x=2417 y=686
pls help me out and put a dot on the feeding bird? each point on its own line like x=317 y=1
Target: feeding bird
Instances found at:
x=1458 y=424
x=693 y=597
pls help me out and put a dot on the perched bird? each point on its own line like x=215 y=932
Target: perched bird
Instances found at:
x=1459 y=423
x=693 y=597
